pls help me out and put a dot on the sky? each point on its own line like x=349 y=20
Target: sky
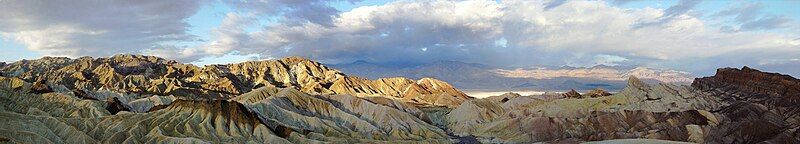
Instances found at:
x=687 y=35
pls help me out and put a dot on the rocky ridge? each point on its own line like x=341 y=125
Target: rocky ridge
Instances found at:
x=264 y=115
x=628 y=114
x=763 y=105
x=293 y=100
x=147 y=75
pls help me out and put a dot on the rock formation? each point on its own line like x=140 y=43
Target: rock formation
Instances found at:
x=597 y=93
x=157 y=76
x=572 y=94
x=340 y=118
x=55 y=118
x=527 y=119
x=763 y=106
x=142 y=99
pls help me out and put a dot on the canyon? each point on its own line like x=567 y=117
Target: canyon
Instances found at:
x=146 y=99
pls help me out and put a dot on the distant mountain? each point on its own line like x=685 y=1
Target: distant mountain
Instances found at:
x=484 y=77
x=602 y=72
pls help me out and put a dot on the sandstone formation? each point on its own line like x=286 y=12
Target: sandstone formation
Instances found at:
x=282 y=115
x=340 y=118
x=149 y=75
x=764 y=106
x=141 y=99
x=61 y=118
x=734 y=106
x=572 y=94
x=597 y=93
x=521 y=119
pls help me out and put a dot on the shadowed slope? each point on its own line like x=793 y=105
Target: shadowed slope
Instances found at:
x=340 y=118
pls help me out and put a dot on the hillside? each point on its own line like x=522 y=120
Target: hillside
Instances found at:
x=143 y=99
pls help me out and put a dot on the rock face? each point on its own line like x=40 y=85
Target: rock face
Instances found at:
x=340 y=118
x=114 y=106
x=734 y=106
x=139 y=99
x=156 y=76
x=183 y=122
x=763 y=106
x=597 y=93
x=572 y=94
x=628 y=114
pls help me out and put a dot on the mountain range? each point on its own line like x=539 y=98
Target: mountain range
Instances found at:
x=473 y=76
x=145 y=99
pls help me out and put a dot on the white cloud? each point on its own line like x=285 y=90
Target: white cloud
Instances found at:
x=507 y=33
x=95 y=28
x=751 y=16
x=572 y=32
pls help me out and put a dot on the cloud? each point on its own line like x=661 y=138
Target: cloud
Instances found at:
x=387 y=33
x=580 y=33
x=95 y=28
x=767 y=23
x=296 y=11
x=750 y=16
x=622 y=2
x=553 y=4
x=671 y=14
x=503 y=33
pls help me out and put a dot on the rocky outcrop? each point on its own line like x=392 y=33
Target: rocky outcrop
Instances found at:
x=114 y=106
x=504 y=97
x=140 y=99
x=734 y=106
x=426 y=91
x=597 y=93
x=340 y=118
x=531 y=119
x=590 y=94
x=147 y=75
x=58 y=118
x=145 y=104
x=493 y=124
x=41 y=87
x=748 y=84
x=50 y=104
x=572 y=94
x=14 y=84
x=763 y=106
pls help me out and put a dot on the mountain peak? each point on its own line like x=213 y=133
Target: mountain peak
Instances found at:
x=294 y=60
x=154 y=75
x=635 y=82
